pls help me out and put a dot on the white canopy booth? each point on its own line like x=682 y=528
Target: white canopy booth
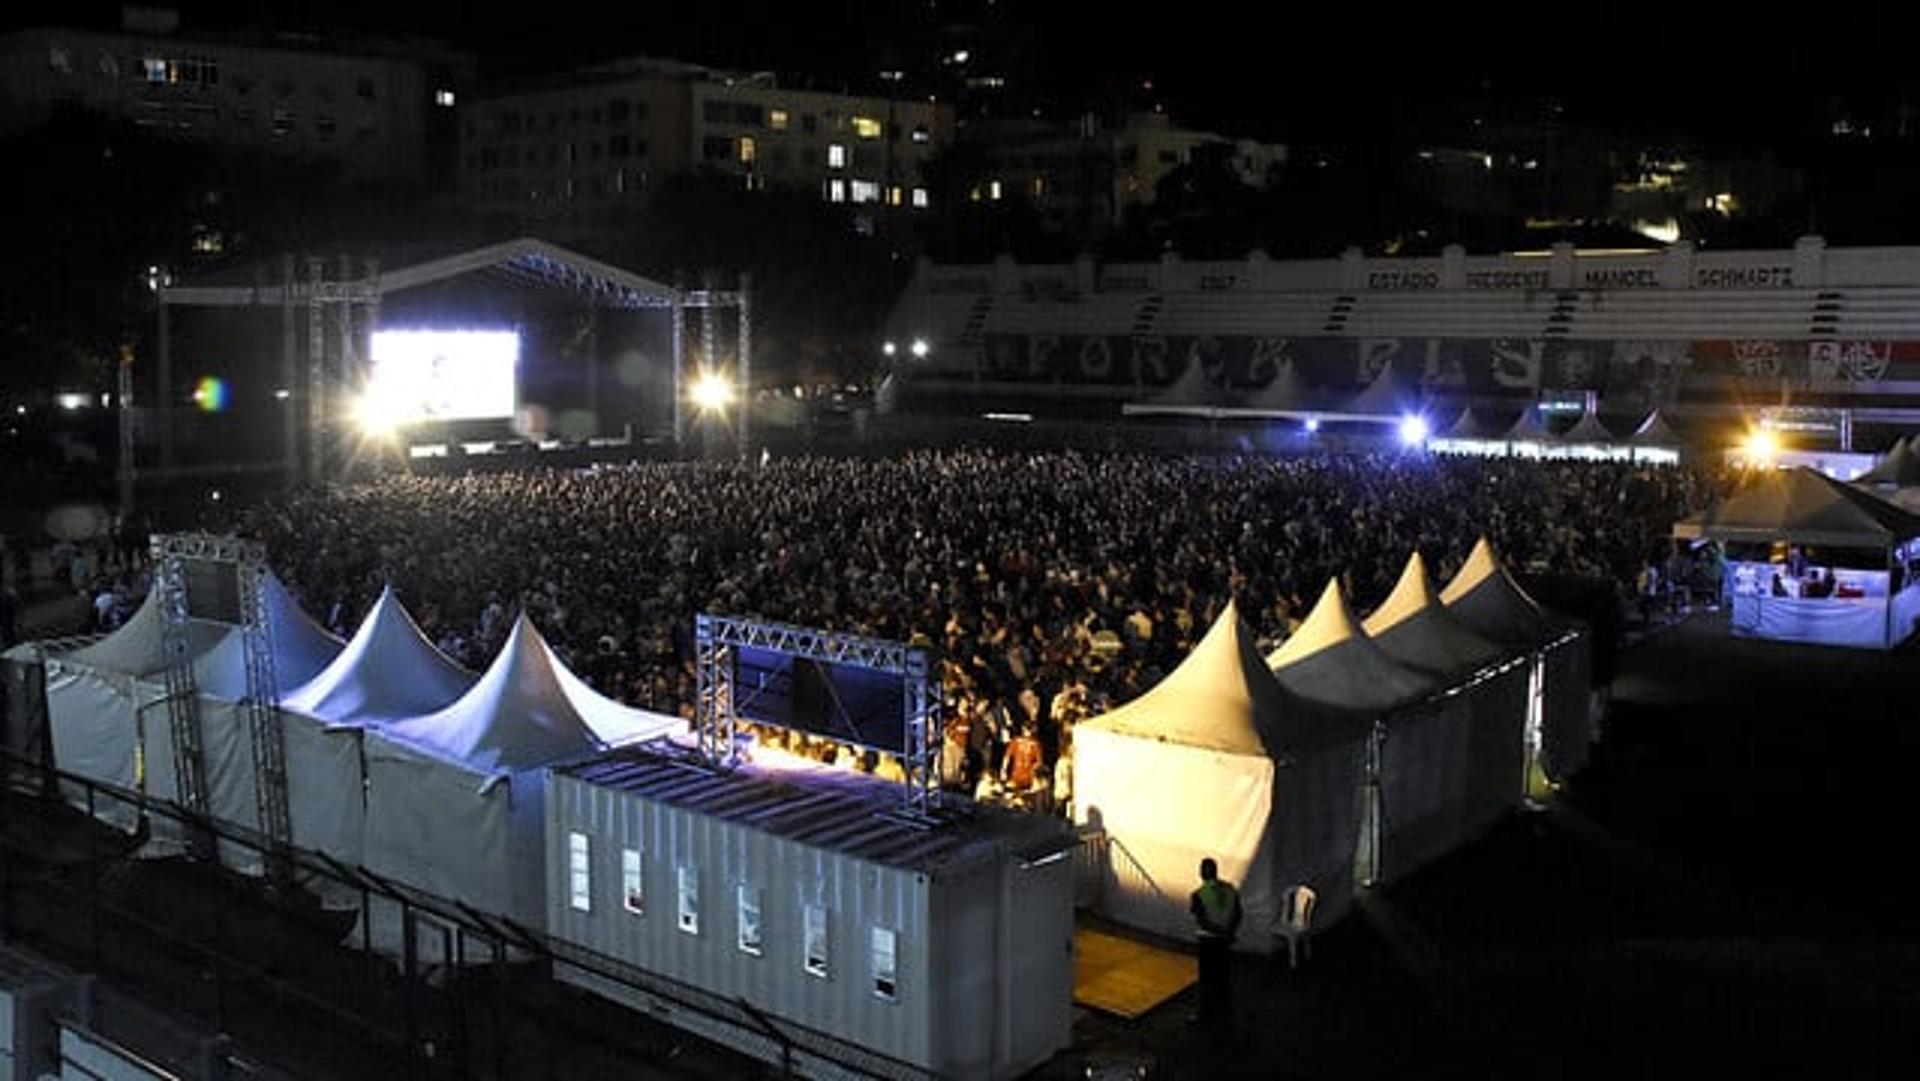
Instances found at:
x=1413 y=627
x=454 y=798
x=1219 y=760
x=1419 y=747
x=1810 y=559
x=388 y=672
x=1559 y=716
x=108 y=718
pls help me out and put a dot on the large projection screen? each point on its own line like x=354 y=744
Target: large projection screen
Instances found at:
x=426 y=375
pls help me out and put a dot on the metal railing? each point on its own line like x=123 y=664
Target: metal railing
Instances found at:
x=422 y=1016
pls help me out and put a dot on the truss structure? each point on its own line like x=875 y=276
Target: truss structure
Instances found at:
x=262 y=699
x=716 y=722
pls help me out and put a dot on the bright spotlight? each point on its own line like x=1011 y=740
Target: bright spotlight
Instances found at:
x=1313 y=424
x=711 y=392
x=1413 y=430
x=378 y=415
x=1761 y=447
x=889 y=349
x=920 y=347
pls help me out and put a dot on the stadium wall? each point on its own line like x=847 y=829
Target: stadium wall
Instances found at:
x=1686 y=331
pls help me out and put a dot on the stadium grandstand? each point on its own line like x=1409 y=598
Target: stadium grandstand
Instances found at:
x=1706 y=338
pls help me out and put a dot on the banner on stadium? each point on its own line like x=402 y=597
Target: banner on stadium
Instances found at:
x=1235 y=365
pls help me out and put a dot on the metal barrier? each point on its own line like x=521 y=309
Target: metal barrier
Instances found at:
x=452 y=1018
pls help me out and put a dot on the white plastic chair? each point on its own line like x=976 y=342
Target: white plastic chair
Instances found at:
x=1296 y=922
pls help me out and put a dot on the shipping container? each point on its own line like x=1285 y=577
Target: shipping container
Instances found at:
x=941 y=945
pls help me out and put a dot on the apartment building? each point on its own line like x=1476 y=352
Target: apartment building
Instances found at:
x=578 y=151
x=381 y=110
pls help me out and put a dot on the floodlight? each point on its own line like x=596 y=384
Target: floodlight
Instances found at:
x=711 y=392
x=920 y=347
x=1761 y=446
x=889 y=349
x=377 y=414
x=1413 y=430
x=1313 y=424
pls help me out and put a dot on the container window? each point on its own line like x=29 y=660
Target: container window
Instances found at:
x=579 y=873
x=633 y=888
x=884 y=969
x=689 y=900
x=816 y=941
x=749 y=920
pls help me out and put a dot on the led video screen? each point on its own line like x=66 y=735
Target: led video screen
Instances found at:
x=857 y=705
x=429 y=375
x=213 y=590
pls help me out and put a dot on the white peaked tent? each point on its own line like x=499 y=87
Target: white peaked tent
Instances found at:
x=454 y=797
x=1384 y=397
x=1286 y=394
x=1414 y=628
x=1331 y=660
x=1421 y=742
x=387 y=672
x=1589 y=438
x=1218 y=760
x=1559 y=711
x=1655 y=440
x=1529 y=437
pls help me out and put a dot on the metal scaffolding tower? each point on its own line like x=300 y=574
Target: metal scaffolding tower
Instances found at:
x=716 y=721
x=183 y=693
x=248 y=561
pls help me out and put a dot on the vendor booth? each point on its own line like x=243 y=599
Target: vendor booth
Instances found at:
x=1810 y=559
x=1413 y=627
x=1219 y=760
x=387 y=672
x=454 y=797
x=1559 y=726
x=1419 y=746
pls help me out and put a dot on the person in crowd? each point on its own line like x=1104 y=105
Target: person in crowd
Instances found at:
x=1051 y=586
x=1024 y=760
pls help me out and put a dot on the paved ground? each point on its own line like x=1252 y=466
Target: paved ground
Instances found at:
x=1719 y=893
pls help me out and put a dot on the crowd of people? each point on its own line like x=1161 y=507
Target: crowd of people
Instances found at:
x=1052 y=585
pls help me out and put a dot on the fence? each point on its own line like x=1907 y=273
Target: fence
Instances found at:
x=275 y=968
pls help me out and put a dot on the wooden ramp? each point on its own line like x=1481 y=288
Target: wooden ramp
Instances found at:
x=1127 y=978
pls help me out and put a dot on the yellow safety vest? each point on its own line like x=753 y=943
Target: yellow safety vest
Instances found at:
x=1217 y=900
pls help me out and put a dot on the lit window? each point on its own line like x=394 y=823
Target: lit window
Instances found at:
x=836 y=156
x=885 y=971
x=155 y=70
x=815 y=934
x=836 y=190
x=866 y=191
x=633 y=888
x=579 y=874
x=443 y=98
x=866 y=127
x=689 y=900
x=777 y=119
x=747 y=149
x=921 y=134
x=894 y=195
x=993 y=189
x=920 y=198
x=749 y=938
x=1039 y=186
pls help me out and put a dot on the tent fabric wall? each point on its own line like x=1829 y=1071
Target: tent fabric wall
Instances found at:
x=1166 y=806
x=1318 y=806
x=1567 y=729
x=1425 y=762
x=326 y=797
x=91 y=716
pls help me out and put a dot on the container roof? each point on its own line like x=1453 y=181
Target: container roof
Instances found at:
x=821 y=807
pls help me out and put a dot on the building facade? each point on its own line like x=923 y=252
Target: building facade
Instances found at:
x=577 y=151
x=380 y=111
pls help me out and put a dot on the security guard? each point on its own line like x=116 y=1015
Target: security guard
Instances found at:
x=1216 y=912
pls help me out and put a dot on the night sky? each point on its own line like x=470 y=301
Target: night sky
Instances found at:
x=1730 y=73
